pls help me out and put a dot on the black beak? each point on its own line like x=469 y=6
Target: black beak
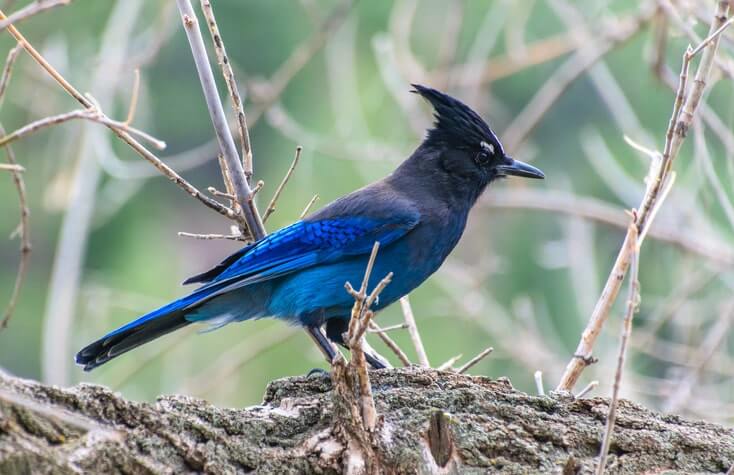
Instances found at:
x=514 y=167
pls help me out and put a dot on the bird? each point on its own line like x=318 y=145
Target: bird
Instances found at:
x=297 y=274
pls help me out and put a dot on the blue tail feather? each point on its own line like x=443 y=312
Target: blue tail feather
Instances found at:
x=146 y=328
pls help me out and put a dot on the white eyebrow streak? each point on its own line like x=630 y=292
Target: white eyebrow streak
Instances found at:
x=487 y=146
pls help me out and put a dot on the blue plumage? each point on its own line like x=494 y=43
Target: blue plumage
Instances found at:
x=297 y=273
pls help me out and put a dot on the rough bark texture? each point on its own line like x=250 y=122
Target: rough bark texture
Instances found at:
x=466 y=424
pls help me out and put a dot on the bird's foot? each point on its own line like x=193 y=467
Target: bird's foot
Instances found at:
x=318 y=373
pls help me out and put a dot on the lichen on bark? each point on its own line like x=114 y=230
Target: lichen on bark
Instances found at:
x=485 y=426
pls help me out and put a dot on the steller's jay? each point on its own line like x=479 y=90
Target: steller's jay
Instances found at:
x=417 y=213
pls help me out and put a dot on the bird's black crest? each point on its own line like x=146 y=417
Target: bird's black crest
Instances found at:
x=456 y=124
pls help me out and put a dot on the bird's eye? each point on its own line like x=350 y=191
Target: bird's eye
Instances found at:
x=487 y=147
x=484 y=156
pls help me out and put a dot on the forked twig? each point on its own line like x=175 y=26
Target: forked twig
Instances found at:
x=120 y=132
x=358 y=324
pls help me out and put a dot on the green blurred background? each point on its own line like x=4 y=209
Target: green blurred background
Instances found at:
x=523 y=282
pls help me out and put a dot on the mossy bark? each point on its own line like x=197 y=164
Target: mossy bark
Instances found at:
x=430 y=422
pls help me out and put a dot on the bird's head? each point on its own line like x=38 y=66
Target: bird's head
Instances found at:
x=468 y=147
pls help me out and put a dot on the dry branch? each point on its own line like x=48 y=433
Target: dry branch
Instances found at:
x=659 y=175
x=123 y=135
x=29 y=10
x=23 y=232
x=91 y=114
x=415 y=336
x=234 y=94
x=271 y=206
x=633 y=303
x=241 y=188
x=472 y=362
x=390 y=343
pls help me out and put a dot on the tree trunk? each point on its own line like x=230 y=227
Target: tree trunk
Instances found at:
x=429 y=422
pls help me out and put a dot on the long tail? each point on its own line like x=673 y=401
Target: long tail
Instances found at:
x=138 y=332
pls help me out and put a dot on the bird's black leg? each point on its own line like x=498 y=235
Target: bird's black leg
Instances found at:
x=335 y=330
x=326 y=347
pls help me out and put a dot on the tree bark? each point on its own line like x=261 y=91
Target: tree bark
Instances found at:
x=429 y=422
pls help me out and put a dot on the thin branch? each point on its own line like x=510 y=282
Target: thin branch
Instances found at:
x=24 y=232
x=657 y=186
x=358 y=324
x=208 y=237
x=271 y=206
x=227 y=147
x=472 y=362
x=449 y=364
x=587 y=389
x=399 y=326
x=234 y=93
x=11 y=167
x=308 y=206
x=415 y=337
x=133 y=99
x=390 y=343
x=90 y=114
x=538 y=377
x=8 y=70
x=633 y=303
x=120 y=132
x=29 y=10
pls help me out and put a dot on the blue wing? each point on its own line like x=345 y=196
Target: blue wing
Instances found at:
x=305 y=244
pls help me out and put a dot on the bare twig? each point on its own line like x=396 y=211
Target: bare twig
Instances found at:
x=23 y=230
x=449 y=364
x=29 y=10
x=234 y=92
x=587 y=389
x=415 y=337
x=271 y=206
x=399 y=326
x=390 y=343
x=120 y=132
x=8 y=69
x=133 y=99
x=308 y=207
x=633 y=303
x=11 y=167
x=657 y=183
x=469 y=364
x=254 y=225
x=538 y=377
x=90 y=114
x=358 y=324
x=207 y=237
